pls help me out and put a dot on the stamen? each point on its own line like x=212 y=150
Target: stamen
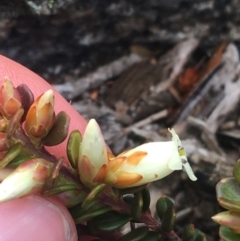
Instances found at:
x=189 y=171
x=182 y=155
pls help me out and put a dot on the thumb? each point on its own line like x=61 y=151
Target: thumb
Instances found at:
x=34 y=218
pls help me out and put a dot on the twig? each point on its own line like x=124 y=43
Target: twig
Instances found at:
x=157 y=116
x=183 y=213
x=102 y=74
x=174 y=61
x=207 y=135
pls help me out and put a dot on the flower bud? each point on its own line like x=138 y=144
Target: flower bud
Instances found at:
x=10 y=100
x=26 y=179
x=228 y=219
x=93 y=159
x=41 y=116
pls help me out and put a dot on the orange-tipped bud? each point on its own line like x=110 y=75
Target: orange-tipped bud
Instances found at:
x=26 y=179
x=93 y=158
x=41 y=116
x=10 y=100
x=229 y=219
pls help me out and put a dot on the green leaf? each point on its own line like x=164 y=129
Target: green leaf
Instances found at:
x=59 y=131
x=236 y=171
x=169 y=219
x=227 y=235
x=151 y=236
x=60 y=189
x=110 y=221
x=135 y=235
x=137 y=205
x=73 y=147
x=228 y=194
x=163 y=204
x=188 y=232
x=146 y=199
x=199 y=236
x=86 y=216
x=128 y=199
x=12 y=153
x=93 y=194
x=131 y=190
x=93 y=209
x=27 y=98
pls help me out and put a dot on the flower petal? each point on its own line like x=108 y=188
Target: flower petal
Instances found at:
x=126 y=179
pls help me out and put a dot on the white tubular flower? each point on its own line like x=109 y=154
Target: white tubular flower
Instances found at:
x=147 y=163
x=26 y=179
x=92 y=164
x=141 y=165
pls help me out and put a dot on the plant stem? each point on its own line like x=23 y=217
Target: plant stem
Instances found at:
x=43 y=153
x=116 y=203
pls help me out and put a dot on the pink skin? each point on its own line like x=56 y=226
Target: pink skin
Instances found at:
x=34 y=218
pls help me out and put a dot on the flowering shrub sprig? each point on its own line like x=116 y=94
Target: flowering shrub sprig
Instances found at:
x=141 y=165
x=95 y=183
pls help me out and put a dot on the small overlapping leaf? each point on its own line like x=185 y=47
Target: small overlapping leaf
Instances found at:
x=228 y=194
x=163 y=204
x=188 y=232
x=73 y=148
x=137 y=205
x=166 y=212
x=146 y=199
x=59 y=189
x=227 y=235
x=23 y=156
x=92 y=210
x=93 y=194
x=110 y=221
x=59 y=131
x=27 y=98
x=151 y=236
x=229 y=219
x=128 y=199
x=169 y=219
x=72 y=198
x=199 y=236
x=13 y=152
x=135 y=235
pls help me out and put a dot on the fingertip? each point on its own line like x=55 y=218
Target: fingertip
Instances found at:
x=19 y=74
x=34 y=218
